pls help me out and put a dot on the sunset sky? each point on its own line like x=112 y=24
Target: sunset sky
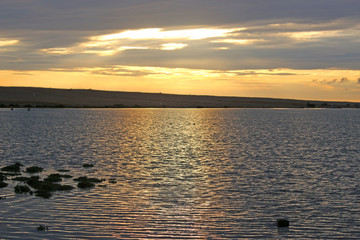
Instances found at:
x=302 y=49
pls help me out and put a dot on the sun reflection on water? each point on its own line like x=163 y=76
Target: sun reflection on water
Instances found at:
x=168 y=182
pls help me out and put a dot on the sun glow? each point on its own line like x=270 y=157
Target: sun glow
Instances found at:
x=158 y=33
x=173 y=46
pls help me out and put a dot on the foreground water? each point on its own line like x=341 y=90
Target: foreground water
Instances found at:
x=187 y=173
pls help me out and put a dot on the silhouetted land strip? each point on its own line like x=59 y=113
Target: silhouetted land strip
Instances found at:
x=81 y=98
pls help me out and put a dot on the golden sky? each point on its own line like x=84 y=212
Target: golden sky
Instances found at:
x=258 y=48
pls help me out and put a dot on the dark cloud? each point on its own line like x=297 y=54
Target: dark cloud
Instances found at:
x=332 y=81
x=249 y=73
x=115 y=70
x=23 y=73
x=120 y=72
x=113 y=14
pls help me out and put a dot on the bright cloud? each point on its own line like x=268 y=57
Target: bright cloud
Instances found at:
x=8 y=42
x=272 y=35
x=149 y=38
x=158 y=33
x=173 y=46
x=313 y=35
x=237 y=41
x=59 y=51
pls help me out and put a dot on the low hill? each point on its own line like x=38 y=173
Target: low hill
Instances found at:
x=48 y=97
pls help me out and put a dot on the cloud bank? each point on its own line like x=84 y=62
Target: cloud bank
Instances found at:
x=242 y=38
x=237 y=34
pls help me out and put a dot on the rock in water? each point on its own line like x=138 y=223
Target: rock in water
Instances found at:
x=42 y=228
x=282 y=222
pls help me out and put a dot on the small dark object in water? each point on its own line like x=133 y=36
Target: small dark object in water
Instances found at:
x=86 y=179
x=33 y=181
x=42 y=228
x=63 y=170
x=34 y=169
x=282 y=222
x=12 y=168
x=44 y=188
x=5 y=174
x=112 y=180
x=88 y=165
x=54 y=177
x=65 y=176
x=2 y=198
x=86 y=184
x=21 y=179
x=64 y=188
x=3 y=184
x=43 y=193
x=22 y=189
x=2 y=177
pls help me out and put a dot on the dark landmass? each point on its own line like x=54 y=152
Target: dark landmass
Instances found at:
x=81 y=98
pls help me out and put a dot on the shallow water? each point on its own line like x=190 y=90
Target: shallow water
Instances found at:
x=187 y=173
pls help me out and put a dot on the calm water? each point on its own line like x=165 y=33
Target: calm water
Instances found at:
x=187 y=173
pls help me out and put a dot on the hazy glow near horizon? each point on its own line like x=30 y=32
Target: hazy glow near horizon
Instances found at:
x=301 y=84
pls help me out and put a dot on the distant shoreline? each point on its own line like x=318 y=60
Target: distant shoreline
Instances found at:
x=81 y=98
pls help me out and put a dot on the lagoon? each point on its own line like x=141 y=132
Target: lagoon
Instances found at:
x=186 y=173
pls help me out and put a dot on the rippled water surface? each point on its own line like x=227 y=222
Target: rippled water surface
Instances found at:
x=186 y=173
